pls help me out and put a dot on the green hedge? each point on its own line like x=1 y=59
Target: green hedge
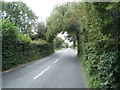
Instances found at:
x=100 y=50
x=18 y=48
x=101 y=61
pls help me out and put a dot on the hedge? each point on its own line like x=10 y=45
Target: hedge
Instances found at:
x=18 y=48
x=100 y=44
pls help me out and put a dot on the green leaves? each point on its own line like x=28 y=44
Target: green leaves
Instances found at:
x=23 y=17
x=54 y=25
x=58 y=42
x=100 y=48
x=18 y=48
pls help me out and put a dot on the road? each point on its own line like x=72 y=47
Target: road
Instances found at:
x=59 y=70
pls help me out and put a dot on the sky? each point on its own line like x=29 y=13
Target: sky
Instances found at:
x=43 y=9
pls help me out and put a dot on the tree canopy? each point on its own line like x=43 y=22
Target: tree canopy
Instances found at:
x=95 y=27
x=23 y=17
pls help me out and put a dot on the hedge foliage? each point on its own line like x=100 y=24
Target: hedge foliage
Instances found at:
x=95 y=27
x=18 y=48
x=101 y=60
x=100 y=44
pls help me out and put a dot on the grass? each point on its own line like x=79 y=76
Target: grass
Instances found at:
x=75 y=49
x=57 y=49
x=92 y=80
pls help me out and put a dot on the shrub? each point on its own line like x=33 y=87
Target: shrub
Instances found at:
x=18 y=48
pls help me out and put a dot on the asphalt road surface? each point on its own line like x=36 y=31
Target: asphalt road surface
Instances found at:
x=59 y=70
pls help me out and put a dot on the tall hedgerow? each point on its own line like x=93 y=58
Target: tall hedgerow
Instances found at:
x=18 y=48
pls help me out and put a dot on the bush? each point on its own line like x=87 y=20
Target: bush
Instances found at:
x=100 y=45
x=101 y=59
x=42 y=47
x=18 y=48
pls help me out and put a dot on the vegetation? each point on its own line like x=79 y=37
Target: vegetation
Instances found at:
x=18 y=48
x=40 y=31
x=24 y=18
x=18 y=42
x=94 y=26
x=58 y=41
x=65 y=45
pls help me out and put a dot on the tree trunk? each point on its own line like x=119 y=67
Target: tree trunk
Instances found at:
x=74 y=43
x=51 y=44
x=78 y=41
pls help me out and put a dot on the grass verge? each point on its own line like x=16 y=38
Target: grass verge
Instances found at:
x=57 y=49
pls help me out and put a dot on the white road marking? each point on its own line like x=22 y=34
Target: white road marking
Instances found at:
x=41 y=72
x=55 y=61
x=61 y=57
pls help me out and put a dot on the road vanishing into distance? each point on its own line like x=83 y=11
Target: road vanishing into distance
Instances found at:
x=59 y=70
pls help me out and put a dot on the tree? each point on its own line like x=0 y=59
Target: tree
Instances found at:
x=23 y=17
x=54 y=27
x=65 y=45
x=66 y=18
x=95 y=26
x=72 y=38
x=58 y=42
x=40 y=31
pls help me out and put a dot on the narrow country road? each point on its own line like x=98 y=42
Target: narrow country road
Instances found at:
x=59 y=70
